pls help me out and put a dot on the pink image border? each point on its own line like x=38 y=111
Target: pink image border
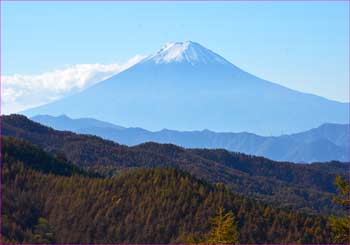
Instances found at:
x=102 y=1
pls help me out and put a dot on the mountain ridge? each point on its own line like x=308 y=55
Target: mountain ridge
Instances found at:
x=324 y=143
x=212 y=95
x=33 y=200
x=308 y=187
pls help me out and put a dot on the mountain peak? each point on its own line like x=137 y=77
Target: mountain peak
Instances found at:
x=188 y=52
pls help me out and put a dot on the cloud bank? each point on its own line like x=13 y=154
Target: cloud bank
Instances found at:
x=20 y=92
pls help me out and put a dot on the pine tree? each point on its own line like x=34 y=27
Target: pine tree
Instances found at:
x=341 y=226
x=224 y=229
x=42 y=232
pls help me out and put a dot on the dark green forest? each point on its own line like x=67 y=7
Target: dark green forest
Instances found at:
x=306 y=187
x=61 y=187
x=57 y=204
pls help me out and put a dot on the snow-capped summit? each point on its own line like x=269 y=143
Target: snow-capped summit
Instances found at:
x=188 y=51
x=185 y=86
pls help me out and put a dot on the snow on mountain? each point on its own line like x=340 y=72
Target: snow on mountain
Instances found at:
x=190 y=52
x=185 y=86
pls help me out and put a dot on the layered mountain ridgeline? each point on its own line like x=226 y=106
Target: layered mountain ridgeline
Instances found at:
x=160 y=205
x=17 y=150
x=308 y=187
x=325 y=143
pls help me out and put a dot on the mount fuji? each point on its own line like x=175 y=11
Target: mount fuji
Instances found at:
x=185 y=86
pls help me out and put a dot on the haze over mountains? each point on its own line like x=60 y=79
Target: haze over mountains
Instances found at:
x=325 y=143
x=306 y=187
x=185 y=86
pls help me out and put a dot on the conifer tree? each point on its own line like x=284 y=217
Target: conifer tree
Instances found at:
x=224 y=229
x=42 y=232
x=341 y=225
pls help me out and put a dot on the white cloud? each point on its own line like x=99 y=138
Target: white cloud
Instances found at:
x=20 y=92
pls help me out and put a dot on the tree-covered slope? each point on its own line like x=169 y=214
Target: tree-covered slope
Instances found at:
x=160 y=205
x=18 y=151
x=302 y=186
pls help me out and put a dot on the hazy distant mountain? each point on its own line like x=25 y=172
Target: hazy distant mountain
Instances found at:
x=185 y=86
x=63 y=122
x=325 y=143
x=307 y=187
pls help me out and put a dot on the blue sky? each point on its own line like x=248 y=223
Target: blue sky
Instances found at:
x=302 y=45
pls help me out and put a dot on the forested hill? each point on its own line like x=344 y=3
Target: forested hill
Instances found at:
x=307 y=187
x=17 y=150
x=159 y=205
